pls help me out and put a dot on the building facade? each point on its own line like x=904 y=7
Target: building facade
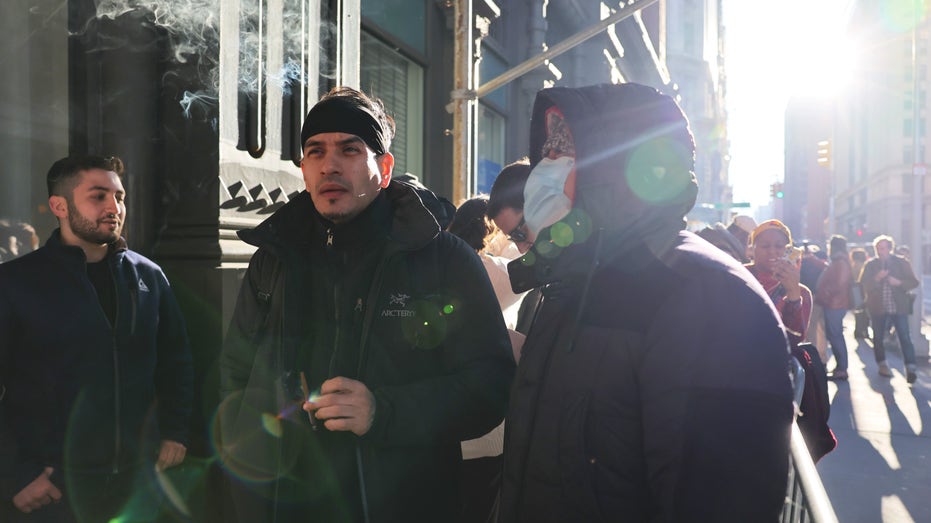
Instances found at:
x=695 y=55
x=804 y=205
x=880 y=130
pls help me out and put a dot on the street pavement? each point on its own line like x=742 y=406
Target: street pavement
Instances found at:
x=881 y=468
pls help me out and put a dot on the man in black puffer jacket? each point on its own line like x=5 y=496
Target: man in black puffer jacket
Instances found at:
x=385 y=330
x=654 y=383
x=95 y=359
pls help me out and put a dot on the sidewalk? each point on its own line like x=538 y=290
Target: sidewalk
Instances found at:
x=881 y=469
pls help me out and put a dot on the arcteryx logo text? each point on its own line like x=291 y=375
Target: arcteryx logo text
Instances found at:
x=400 y=301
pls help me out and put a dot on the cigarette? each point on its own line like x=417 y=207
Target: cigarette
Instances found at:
x=306 y=390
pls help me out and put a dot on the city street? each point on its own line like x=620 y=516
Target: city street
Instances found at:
x=880 y=470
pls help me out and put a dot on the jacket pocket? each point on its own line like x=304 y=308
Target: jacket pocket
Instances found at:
x=576 y=463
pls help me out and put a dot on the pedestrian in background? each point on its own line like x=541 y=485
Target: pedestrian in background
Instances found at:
x=481 y=465
x=886 y=280
x=506 y=210
x=861 y=329
x=95 y=361
x=475 y=228
x=506 y=203
x=778 y=270
x=721 y=237
x=833 y=295
x=16 y=239
x=776 y=266
x=810 y=270
x=741 y=227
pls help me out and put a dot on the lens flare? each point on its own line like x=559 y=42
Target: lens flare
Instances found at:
x=428 y=325
x=902 y=15
x=658 y=171
x=251 y=443
x=562 y=234
x=272 y=424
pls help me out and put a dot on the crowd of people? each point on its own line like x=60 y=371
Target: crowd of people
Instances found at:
x=561 y=349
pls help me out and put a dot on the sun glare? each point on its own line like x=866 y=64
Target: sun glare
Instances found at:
x=824 y=69
x=777 y=51
x=821 y=59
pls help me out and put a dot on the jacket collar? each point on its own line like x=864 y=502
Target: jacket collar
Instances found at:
x=75 y=253
x=397 y=215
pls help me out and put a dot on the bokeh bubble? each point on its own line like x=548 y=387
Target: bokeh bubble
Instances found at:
x=251 y=440
x=658 y=171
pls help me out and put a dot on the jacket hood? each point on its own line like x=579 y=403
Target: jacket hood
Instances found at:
x=634 y=161
x=634 y=157
x=410 y=225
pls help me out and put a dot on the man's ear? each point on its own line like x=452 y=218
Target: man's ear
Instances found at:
x=385 y=166
x=58 y=205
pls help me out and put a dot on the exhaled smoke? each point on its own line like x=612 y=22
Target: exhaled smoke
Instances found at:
x=191 y=29
x=193 y=36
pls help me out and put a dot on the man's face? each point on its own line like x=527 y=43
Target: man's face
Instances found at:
x=343 y=175
x=511 y=222
x=96 y=209
x=883 y=249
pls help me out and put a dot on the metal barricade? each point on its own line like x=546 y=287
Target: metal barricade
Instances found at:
x=806 y=499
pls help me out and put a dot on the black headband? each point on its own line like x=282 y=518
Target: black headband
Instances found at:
x=340 y=115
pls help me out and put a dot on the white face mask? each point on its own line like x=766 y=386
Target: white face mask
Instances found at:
x=545 y=200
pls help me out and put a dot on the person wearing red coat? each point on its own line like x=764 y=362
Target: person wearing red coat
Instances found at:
x=833 y=295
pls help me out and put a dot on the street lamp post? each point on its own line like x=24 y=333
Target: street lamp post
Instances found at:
x=916 y=240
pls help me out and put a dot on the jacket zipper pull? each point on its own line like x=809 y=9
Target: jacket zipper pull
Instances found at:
x=329 y=237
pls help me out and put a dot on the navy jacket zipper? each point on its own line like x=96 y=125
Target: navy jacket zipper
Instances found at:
x=117 y=436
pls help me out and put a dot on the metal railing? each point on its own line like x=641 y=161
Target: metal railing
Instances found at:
x=806 y=499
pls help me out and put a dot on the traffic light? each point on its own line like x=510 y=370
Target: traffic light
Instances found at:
x=824 y=153
x=775 y=191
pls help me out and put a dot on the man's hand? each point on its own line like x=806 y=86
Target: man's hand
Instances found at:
x=344 y=404
x=37 y=494
x=170 y=454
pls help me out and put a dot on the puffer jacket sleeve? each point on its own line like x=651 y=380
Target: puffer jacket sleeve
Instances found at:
x=470 y=396
x=717 y=403
x=249 y=317
x=174 y=373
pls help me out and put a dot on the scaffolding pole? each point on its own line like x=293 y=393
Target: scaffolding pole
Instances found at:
x=463 y=104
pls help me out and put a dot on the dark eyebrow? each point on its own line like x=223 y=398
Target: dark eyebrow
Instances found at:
x=104 y=189
x=347 y=141
x=351 y=140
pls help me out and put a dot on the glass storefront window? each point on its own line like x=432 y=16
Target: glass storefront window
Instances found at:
x=399 y=83
x=489 y=68
x=490 y=148
x=403 y=19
